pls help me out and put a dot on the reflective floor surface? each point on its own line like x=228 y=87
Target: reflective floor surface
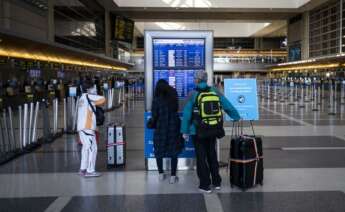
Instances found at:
x=304 y=163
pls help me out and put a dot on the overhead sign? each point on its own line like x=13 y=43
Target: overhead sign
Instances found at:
x=242 y=94
x=123 y=29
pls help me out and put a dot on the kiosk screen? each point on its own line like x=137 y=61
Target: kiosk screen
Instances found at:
x=176 y=60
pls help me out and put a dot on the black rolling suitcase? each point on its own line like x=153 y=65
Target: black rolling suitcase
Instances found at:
x=246 y=161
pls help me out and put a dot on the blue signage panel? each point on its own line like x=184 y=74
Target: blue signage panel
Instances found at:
x=242 y=93
x=188 y=151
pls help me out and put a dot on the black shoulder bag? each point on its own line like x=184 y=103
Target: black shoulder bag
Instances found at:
x=99 y=113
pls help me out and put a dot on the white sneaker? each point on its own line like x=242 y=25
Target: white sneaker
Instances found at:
x=217 y=188
x=92 y=174
x=161 y=177
x=173 y=180
x=206 y=191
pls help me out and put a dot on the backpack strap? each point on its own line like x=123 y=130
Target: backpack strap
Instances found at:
x=199 y=91
x=92 y=107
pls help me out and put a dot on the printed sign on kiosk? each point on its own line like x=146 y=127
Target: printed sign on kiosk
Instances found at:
x=242 y=94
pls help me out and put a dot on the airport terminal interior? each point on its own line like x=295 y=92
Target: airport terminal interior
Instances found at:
x=280 y=63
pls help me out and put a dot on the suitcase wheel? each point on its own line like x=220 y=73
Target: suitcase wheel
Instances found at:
x=232 y=186
x=261 y=183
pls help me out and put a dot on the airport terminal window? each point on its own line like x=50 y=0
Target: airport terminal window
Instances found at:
x=234 y=43
x=325 y=29
x=78 y=26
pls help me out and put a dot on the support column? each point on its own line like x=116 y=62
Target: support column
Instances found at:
x=51 y=22
x=108 y=50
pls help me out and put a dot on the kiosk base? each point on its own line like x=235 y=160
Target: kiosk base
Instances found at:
x=183 y=164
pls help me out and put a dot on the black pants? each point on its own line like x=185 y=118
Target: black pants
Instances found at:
x=173 y=165
x=206 y=162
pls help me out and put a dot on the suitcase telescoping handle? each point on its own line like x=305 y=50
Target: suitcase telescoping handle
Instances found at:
x=238 y=129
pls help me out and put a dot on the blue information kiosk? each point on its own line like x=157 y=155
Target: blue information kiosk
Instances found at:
x=174 y=56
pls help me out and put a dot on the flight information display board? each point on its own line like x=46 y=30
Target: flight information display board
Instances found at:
x=178 y=54
x=176 y=61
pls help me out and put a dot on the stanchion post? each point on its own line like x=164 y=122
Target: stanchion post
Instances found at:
x=34 y=133
x=20 y=127
x=2 y=139
x=13 y=139
x=25 y=120
x=64 y=115
x=31 y=111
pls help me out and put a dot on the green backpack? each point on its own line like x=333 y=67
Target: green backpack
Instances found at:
x=208 y=115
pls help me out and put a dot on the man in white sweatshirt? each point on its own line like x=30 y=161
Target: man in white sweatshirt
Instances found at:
x=86 y=127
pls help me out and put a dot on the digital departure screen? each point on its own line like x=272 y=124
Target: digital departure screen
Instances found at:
x=176 y=61
x=178 y=54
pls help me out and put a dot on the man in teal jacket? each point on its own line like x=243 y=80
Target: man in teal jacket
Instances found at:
x=205 y=149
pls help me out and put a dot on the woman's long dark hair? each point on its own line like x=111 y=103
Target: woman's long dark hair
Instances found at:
x=167 y=93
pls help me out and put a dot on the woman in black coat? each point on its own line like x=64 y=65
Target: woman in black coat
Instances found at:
x=167 y=140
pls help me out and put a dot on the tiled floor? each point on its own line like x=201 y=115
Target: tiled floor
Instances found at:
x=304 y=163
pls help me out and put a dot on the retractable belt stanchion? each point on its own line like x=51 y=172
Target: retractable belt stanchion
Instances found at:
x=342 y=93
x=34 y=133
x=30 y=123
x=55 y=115
x=306 y=95
x=291 y=95
x=20 y=109
x=75 y=114
x=275 y=93
x=296 y=93
x=301 y=99
x=4 y=120
x=331 y=110
x=3 y=148
x=314 y=99
x=46 y=123
x=25 y=125
x=2 y=141
x=11 y=130
x=71 y=114
x=319 y=94
x=64 y=115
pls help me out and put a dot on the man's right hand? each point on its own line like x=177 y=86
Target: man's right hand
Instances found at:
x=185 y=136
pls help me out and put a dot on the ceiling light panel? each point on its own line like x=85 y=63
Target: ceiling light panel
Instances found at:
x=287 y=4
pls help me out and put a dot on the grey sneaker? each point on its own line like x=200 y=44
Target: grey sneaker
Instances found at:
x=173 y=180
x=82 y=173
x=161 y=177
x=92 y=174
